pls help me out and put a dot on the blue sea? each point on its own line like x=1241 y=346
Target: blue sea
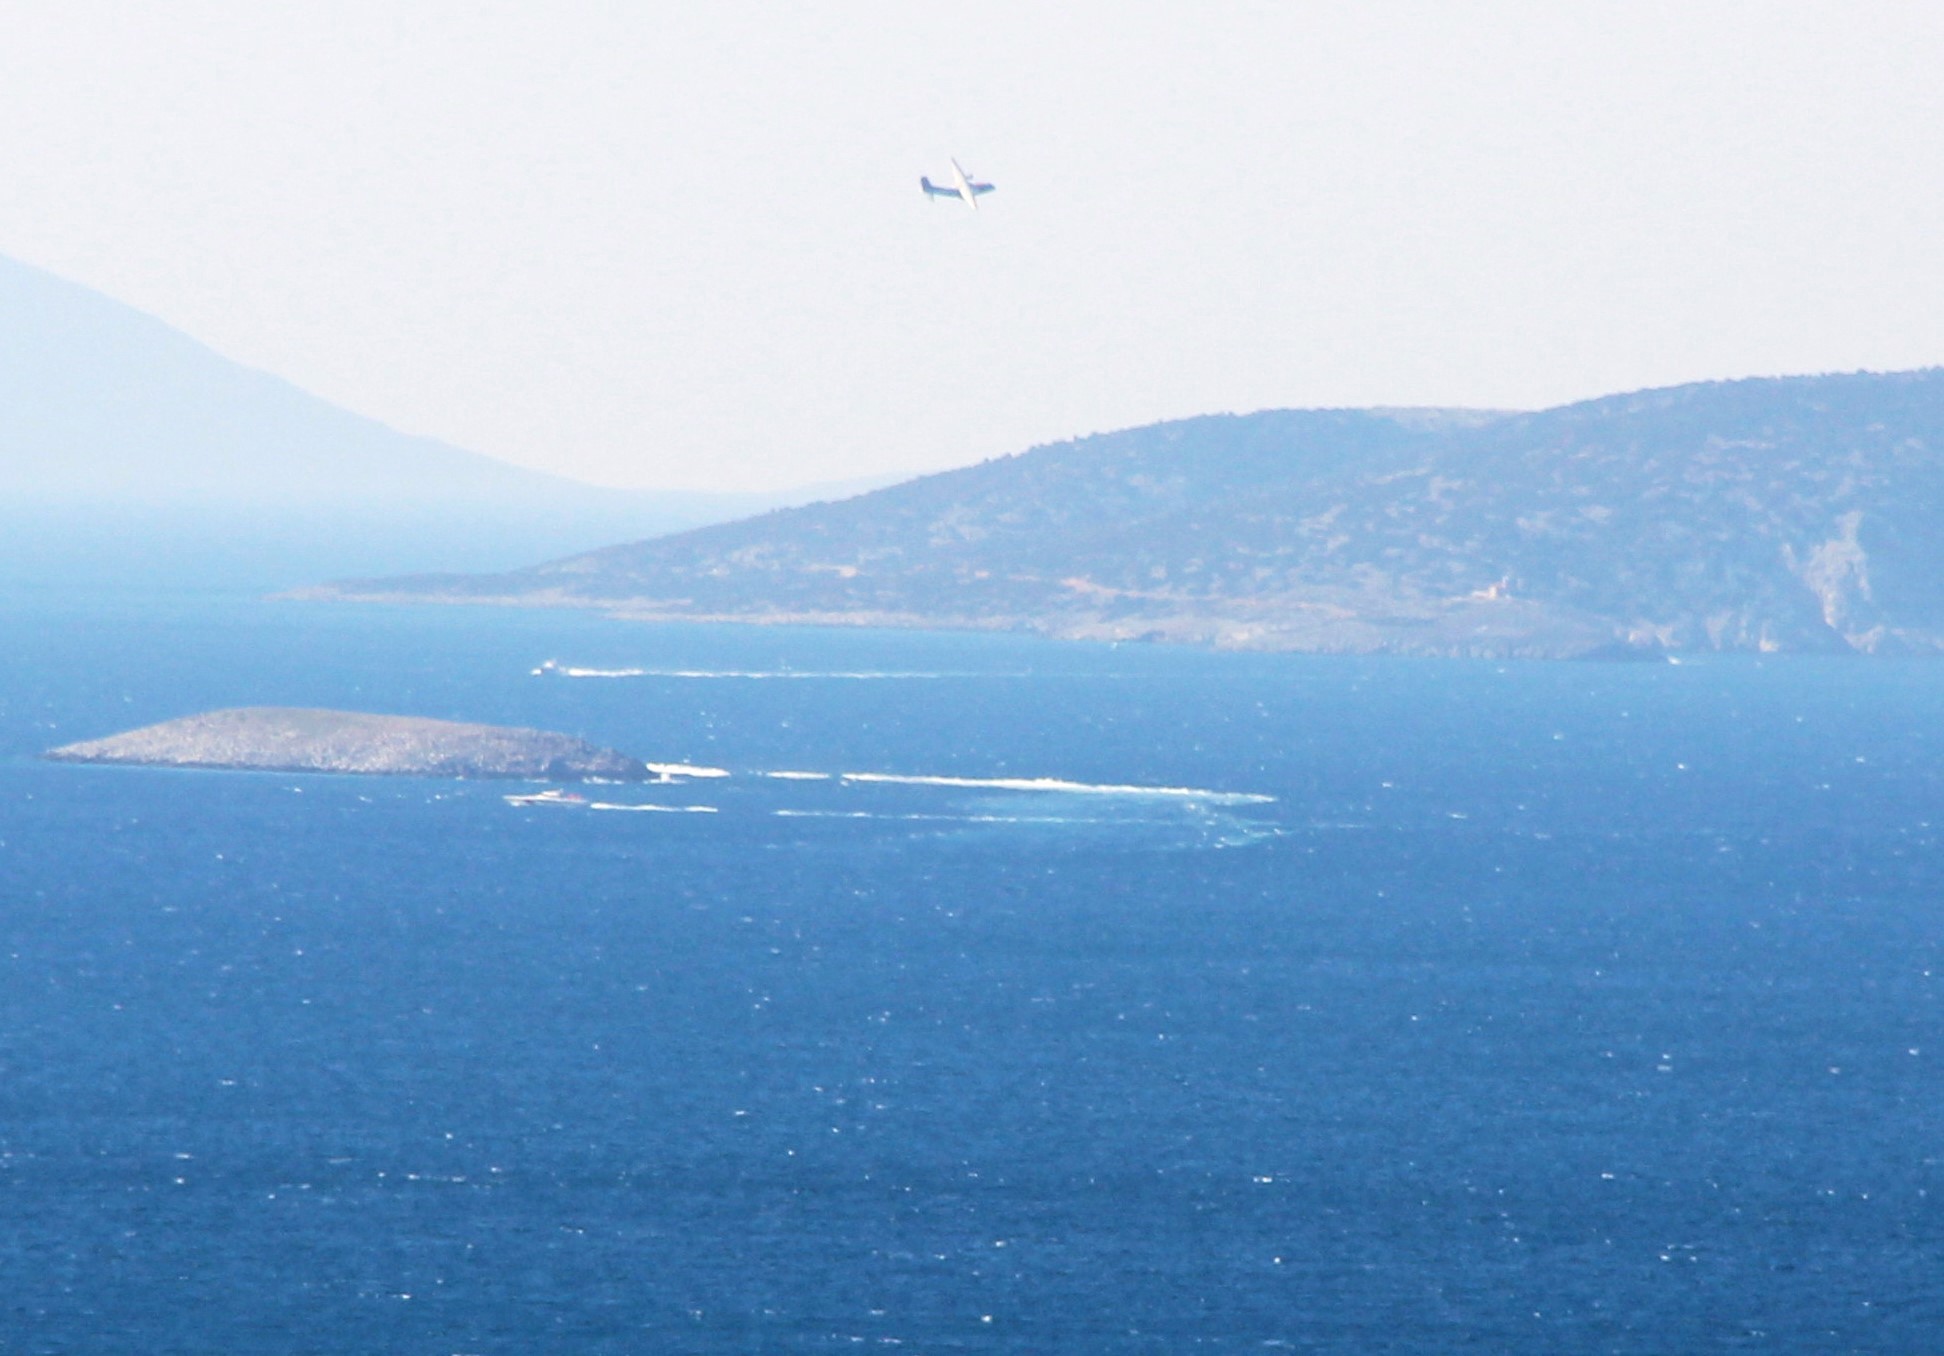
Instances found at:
x=1164 y=1001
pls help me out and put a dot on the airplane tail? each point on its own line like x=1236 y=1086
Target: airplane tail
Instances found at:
x=925 y=183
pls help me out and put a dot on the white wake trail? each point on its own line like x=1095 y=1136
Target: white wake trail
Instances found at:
x=1061 y=785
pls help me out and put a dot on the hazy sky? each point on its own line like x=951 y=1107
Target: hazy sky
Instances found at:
x=683 y=244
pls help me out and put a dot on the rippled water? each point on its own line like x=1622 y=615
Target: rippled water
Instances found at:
x=1431 y=1006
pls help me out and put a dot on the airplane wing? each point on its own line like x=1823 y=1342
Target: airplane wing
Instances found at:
x=962 y=187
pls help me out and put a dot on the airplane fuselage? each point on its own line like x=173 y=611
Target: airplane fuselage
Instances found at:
x=963 y=187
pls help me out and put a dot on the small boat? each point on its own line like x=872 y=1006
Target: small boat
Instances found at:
x=553 y=796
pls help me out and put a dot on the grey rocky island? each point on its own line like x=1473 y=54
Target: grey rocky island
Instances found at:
x=289 y=739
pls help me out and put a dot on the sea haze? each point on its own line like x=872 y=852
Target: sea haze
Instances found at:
x=133 y=452
x=1442 y=1007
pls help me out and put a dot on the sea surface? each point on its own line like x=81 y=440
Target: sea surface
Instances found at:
x=1069 y=999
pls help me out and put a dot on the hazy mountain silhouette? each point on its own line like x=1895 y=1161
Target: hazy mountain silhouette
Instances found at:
x=127 y=445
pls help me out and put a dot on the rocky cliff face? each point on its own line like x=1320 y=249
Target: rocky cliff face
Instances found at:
x=284 y=739
x=1793 y=514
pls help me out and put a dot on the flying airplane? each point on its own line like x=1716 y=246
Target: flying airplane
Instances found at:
x=962 y=187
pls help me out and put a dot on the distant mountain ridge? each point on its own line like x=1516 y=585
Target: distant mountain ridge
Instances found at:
x=1793 y=514
x=100 y=401
x=127 y=447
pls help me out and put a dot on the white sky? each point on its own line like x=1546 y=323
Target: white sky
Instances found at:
x=683 y=244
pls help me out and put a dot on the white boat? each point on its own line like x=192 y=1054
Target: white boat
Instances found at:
x=553 y=796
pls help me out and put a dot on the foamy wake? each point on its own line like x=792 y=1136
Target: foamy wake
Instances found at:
x=655 y=809
x=944 y=819
x=1058 y=784
x=670 y=771
x=567 y=671
x=799 y=776
x=554 y=669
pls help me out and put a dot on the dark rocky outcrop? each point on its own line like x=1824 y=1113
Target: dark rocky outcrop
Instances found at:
x=286 y=739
